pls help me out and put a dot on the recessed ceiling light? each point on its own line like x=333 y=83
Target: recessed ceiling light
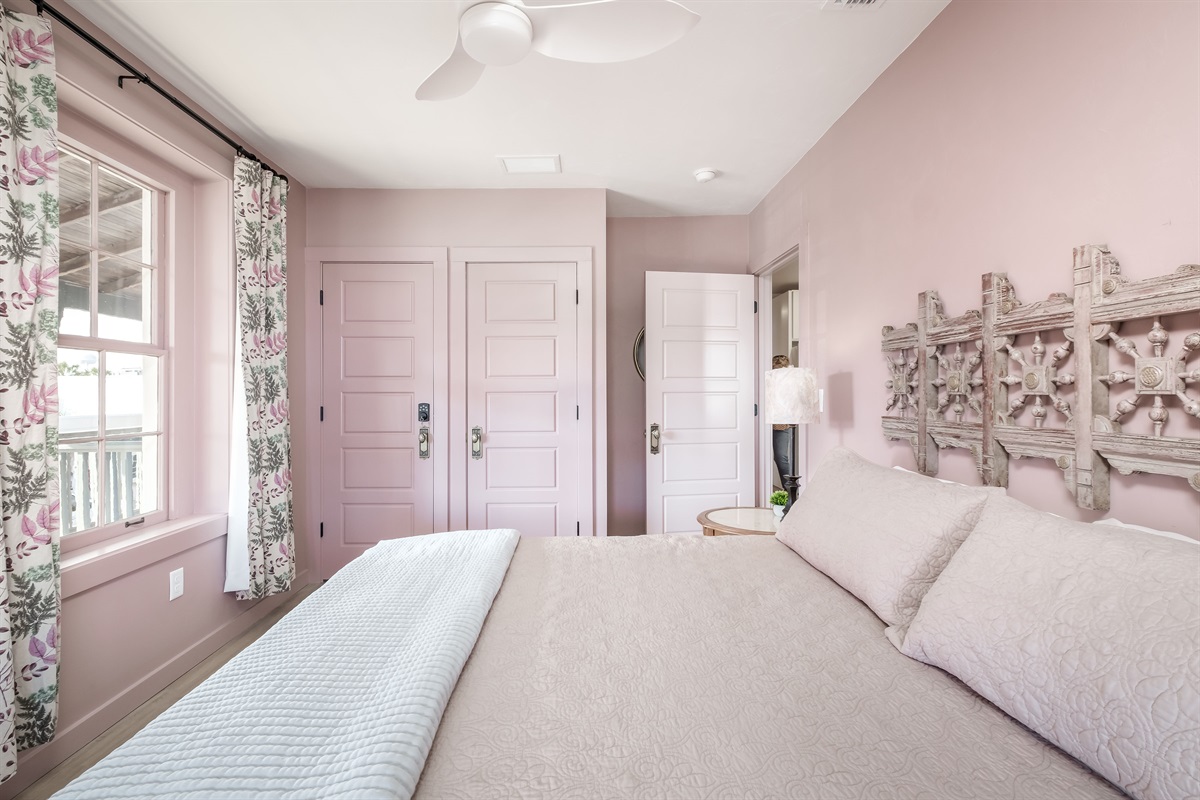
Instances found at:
x=530 y=165
x=705 y=175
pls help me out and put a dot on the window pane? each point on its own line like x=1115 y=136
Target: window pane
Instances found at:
x=125 y=292
x=74 y=290
x=125 y=227
x=80 y=485
x=78 y=393
x=75 y=198
x=130 y=393
x=131 y=477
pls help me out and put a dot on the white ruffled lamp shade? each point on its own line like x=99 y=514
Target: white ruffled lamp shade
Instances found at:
x=791 y=396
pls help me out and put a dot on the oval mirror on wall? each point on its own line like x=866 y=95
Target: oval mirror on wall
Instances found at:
x=639 y=354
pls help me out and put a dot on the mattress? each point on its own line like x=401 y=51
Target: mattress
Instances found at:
x=671 y=667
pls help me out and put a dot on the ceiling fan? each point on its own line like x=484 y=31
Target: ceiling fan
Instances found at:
x=499 y=33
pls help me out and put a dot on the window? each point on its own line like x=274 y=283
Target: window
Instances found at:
x=112 y=352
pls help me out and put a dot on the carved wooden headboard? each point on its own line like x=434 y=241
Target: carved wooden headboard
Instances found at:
x=1015 y=381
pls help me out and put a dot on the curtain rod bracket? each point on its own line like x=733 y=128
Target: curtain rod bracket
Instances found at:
x=122 y=78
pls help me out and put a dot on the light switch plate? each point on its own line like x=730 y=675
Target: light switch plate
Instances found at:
x=176 y=583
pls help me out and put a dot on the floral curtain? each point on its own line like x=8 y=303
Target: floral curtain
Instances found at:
x=29 y=596
x=261 y=559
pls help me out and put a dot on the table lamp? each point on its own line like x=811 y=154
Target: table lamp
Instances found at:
x=791 y=399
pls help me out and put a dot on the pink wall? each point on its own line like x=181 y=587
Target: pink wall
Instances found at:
x=456 y=217
x=636 y=246
x=1005 y=135
x=122 y=640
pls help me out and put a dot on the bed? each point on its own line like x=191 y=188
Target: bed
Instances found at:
x=714 y=669
x=719 y=667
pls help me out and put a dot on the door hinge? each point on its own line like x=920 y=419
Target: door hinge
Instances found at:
x=322 y=297
x=322 y=530
x=576 y=297
x=577 y=528
x=756 y=409
x=576 y=412
x=755 y=306
x=322 y=413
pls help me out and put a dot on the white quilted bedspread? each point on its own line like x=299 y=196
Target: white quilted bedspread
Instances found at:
x=340 y=699
x=723 y=668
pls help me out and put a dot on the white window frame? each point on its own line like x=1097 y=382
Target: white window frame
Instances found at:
x=158 y=347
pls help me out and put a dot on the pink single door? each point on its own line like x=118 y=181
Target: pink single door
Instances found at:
x=700 y=381
x=379 y=453
x=522 y=398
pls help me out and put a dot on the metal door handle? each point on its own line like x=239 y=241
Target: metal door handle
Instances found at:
x=423 y=443
x=654 y=438
x=476 y=443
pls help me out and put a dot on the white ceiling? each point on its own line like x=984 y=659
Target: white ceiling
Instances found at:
x=325 y=89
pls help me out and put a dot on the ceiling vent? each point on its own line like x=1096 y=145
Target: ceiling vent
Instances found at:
x=530 y=165
x=830 y=5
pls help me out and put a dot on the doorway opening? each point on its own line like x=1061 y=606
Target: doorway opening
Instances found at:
x=780 y=343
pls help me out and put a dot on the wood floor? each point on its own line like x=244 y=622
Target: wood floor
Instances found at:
x=141 y=716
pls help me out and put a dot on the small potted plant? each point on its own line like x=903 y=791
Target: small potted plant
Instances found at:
x=778 y=501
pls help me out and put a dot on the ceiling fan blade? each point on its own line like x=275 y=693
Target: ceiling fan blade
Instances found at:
x=452 y=79
x=536 y=3
x=607 y=32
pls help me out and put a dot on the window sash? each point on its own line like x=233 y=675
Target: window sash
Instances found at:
x=153 y=216
x=111 y=345
x=103 y=491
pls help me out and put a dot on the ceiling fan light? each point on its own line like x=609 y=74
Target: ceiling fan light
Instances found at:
x=496 y=34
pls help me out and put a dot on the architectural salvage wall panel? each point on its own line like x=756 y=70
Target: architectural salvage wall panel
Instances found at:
x=996 y=383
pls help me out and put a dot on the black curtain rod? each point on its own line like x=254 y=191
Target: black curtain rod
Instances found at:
x=43 y=8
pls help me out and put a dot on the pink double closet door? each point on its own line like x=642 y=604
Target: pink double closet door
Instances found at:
x=497 y=360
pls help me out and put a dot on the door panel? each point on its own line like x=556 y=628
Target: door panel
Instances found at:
x=379 y=357
x=700 y=383
x=700 y=410
x=522 y=389
x=378 y=331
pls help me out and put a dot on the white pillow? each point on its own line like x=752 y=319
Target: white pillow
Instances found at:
x=1089 y=637
x=1116 y=523
x=883 y=534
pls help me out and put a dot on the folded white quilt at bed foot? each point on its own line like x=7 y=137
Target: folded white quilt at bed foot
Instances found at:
x=340 y=699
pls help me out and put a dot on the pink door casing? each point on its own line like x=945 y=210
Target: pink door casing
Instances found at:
x=700 y=383
x=378 y=480
x=522 y=403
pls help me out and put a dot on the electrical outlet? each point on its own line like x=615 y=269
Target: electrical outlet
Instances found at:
x=176 y=583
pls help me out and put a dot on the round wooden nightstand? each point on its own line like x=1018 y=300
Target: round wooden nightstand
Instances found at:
x=738 y=522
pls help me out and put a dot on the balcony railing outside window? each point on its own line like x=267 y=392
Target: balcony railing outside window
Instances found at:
x=125 y=477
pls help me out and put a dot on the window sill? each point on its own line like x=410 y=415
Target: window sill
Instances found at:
x=105 y=561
